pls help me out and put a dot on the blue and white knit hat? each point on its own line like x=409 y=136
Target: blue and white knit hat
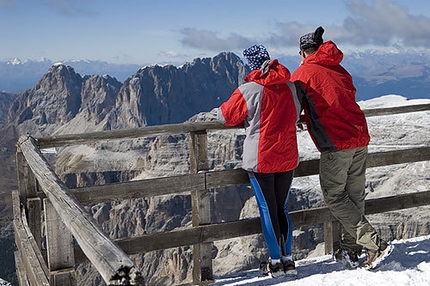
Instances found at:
x=256 y=55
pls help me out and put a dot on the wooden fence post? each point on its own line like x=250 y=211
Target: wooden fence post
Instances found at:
x=59 y=246
x=332 y=236
x=27 y=186
x=26 y=180
x=201 y=209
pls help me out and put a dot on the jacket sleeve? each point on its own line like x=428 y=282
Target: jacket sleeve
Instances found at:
x=234 y=111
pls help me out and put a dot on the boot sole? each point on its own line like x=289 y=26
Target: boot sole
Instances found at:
x=384 y=254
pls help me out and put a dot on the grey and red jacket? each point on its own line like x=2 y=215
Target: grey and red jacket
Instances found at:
x=333 y=117
x=268 y=106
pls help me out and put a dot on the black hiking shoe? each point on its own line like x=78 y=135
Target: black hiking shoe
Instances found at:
x=348 y=258
x=275 y=270
x=289 y=268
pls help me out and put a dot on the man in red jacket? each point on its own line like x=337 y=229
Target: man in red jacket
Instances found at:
x=268 y=106
x=338 y=128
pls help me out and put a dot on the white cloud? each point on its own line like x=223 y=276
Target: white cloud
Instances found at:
x=210 y=40
x=383 y=23
x=70 y=7
x=7 y=3
x=376 y=22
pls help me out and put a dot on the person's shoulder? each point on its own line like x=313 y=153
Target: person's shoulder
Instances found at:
x=250 y=85
x=302 y=71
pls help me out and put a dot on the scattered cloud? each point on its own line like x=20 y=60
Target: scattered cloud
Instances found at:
x=375 y=22
x=7 y=3
x=383 y=23
x=170 y=54
x=70 y=8
x=210 y=40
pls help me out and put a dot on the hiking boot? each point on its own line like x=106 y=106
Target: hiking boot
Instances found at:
x=276 y=270
x=373 y=255
x=289 y=268
x=348 y=258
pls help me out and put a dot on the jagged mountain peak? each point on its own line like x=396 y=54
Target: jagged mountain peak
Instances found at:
x=60 y=96
x=168 y=94
x=153 y=95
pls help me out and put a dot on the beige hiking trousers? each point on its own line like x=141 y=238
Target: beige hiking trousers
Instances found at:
x=342 y=179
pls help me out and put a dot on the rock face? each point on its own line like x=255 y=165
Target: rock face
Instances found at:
x=159 y=95
x=5 y=102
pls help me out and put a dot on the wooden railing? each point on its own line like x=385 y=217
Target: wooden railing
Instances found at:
x=42 y=194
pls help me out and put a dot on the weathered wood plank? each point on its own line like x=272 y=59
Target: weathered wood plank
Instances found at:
x=103 y=253
x=396 y=110
x=214 y=232
x=32 y=260
x=307 y=168
x=34 y=210
x=59 y=240
x=201 y=207
x=190 y=236
x=191 y=182
x=140 y=189
x=181 y=128
x=21 y=274
x=85 y=138
x=225 y=178
x=26 y=180
x=397 y=202
x=332 y=236
x=398 y=157
x=221 y=231
x=63 y=277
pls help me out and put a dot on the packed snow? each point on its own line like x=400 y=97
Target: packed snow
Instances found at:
x=408 y=264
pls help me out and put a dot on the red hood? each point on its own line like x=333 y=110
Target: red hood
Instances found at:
x=276 y=74
x=327 y=54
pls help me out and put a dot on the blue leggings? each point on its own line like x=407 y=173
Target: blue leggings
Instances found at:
x=272 y=192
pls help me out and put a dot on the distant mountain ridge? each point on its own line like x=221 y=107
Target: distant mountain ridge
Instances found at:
x=17 y=75
x=375 y=73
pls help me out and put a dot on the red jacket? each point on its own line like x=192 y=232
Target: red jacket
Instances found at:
x=268 y=105
x=334 y=119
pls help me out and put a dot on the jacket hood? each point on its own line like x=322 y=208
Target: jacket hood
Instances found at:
x=327 y=54
x=274 y=73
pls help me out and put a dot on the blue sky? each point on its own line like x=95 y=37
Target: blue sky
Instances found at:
x=150 y=31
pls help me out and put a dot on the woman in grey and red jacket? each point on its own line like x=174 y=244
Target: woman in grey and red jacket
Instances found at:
x=268 y=106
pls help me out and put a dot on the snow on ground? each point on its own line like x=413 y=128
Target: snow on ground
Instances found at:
x=408 y=264
x=391 y=100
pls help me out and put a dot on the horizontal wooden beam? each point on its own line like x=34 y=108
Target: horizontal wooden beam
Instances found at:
x=402 y=156
x=396 y=110
x=181 y=128
x=214 y=179
x=227 y=230
x=140 y=189
x=147 y=131
x=397 y=202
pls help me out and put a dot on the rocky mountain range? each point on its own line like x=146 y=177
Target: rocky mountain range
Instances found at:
x=375 y=73
x=64 y=102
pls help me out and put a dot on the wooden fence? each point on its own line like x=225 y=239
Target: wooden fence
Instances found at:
x=43 y=200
